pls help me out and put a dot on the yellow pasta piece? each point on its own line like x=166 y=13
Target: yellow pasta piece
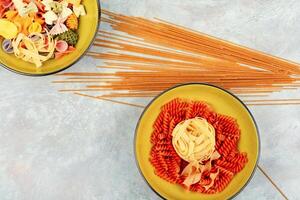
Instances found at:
x=37 y=17
x=35 y=28
x=8 y=29
x=10 y=15
x=72 y=22
x=23 y=23
x=194 y=140
x=30 y=51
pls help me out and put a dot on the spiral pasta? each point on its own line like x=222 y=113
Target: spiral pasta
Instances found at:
x=206 y=166
x=40 y=30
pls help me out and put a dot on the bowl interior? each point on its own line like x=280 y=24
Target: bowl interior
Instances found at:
x=222 y=102
x=88 y=26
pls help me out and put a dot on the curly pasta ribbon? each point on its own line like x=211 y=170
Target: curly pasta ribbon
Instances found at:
x=30 y=50
x=194 y=140
x=35 y=28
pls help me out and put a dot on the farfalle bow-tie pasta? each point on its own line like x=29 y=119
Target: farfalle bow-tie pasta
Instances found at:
x=38 y=30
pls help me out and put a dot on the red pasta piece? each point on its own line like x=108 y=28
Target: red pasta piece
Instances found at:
x=212 y=118
x=172 y=126
x=229 y=144
x=227 y=165
x=154 y=137
x=180 y=115
x=165 y=141
x=197 y=188
x=167 y=163
x=225 y=171
x=225 y=119
x=173 y=169
x=210 y=191
x=205 y=181
x=201 y=109
x=158 y=123
x=238 y=167
x=160 y=165
x=222 y=182
x=166 y=123
x=238 y=158
x=231 y=130
x=163 y=147
x=189 y=111
x=172 y=105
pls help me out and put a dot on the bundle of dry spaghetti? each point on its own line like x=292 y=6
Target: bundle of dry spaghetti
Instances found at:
x=149 y=56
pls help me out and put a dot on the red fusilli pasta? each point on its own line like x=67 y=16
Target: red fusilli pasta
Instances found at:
x=169 y=166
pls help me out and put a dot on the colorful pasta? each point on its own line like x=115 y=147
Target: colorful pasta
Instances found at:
x=72 y=22
x=209 y=173
x=55 y=20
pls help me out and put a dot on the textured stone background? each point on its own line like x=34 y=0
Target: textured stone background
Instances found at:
x=64 y=147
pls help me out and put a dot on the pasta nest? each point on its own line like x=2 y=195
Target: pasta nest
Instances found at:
x=194 y=139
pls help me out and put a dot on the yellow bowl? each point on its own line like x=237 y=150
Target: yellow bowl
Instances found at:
x=222 y=102
x=88 y=27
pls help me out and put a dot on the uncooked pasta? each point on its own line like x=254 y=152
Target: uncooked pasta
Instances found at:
x=181 y=155
x=146 y=56
x=194 y=140
x=53 y=22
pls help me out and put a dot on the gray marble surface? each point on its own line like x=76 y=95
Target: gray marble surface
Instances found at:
x=64 y=147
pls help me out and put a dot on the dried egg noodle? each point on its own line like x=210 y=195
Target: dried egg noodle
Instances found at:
x=194 y=140
x=30 y=50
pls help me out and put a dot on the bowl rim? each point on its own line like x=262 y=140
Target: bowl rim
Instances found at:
x=210 y=85
x=71 y=64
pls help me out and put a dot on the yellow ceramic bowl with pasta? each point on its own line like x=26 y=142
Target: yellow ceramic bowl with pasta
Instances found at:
x=42 y=37
x=197 y=141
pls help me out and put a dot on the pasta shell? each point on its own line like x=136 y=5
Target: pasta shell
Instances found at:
x=72 y=22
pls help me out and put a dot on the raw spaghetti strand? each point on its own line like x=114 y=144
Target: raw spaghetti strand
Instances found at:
x=149 y=56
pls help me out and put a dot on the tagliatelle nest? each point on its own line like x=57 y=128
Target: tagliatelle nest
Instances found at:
x=72 y=22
